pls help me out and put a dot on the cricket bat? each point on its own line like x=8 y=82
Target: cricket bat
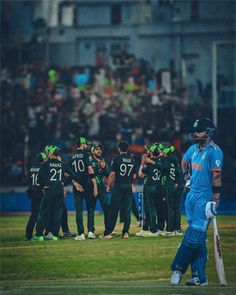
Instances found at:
x=218 y=255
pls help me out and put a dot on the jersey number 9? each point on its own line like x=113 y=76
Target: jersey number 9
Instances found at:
x=125 y=169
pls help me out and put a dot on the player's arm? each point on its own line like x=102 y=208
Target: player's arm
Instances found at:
x=216 y=185
x=71 y=177
x=111 y=180
x=93 y=179
x=216 y=160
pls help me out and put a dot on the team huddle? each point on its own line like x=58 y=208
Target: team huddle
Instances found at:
x=92 y=179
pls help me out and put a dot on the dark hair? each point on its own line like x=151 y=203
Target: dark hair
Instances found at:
x=123 y=145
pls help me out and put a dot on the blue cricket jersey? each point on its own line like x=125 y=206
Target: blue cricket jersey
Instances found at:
x=203 y=160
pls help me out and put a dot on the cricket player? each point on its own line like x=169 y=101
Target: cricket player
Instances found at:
x=52 y=180
x=146 y=222
x=201 y=166
x=152 y=170
x=101 y=170
x=123 y=174
x=49 y=149
x=170 y=181
x=35 y=193
x=81 y=164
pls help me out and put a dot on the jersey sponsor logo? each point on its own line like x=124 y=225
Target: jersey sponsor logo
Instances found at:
x=196 y=166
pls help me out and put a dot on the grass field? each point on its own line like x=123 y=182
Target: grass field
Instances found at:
x=134 y=266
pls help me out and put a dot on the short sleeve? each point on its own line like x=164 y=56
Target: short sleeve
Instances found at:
x=114 y=164
x=216 y=160
x=188 y=154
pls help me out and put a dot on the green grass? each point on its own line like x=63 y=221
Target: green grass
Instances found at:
x=134 y=266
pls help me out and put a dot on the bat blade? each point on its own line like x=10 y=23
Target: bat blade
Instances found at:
x=218 y=255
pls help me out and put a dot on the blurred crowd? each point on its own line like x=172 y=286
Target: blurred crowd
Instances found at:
x=123 y=98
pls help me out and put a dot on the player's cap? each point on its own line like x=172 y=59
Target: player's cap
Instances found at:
x=81 y=140
x=40 y=157
x=96 y=144
x=168 y=149
x=153 y=148
x=55 y=151
x=203 y=124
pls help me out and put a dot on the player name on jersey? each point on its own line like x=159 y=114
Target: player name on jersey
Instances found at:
x=55 y=165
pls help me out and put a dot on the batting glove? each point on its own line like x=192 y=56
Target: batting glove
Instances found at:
x=210 y=209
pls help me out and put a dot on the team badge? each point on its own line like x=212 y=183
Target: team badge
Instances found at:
x=218 y=163
x=195 y=123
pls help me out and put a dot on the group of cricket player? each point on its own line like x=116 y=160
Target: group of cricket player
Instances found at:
x=92 y=179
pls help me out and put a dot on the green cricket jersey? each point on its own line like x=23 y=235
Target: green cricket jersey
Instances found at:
x=171 y=172
x=79 y=162
x=153 y=172
x=52 y=177
x=124 y=167
x=34 y=190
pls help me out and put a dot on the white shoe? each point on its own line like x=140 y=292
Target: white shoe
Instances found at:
x=168 y=233
x=49 y=236
x=178 y=232
x=80 y=237
x=176 y=278
x=150 y=234
x=140 y=233
x=91 y=235
x=196 y=282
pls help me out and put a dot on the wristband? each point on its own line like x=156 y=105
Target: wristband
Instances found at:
x=216 y=189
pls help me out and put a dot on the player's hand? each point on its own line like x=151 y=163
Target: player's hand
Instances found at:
x=210 y=209
x=101 y=164
x=187 y=184
x=133 y=189
x=144 y=158
x=78 y=187
x=95 y=191
x=108 y=189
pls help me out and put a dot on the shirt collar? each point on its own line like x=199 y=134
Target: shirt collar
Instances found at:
x=204 y=148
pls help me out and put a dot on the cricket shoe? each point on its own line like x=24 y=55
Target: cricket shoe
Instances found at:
x=178 y=232
x=54 y=238
x=68 y=234
x=196 y=282
x=141 y=233
x=176 y=277
x=150 y=234
x=168 y=233
x=107 y=237
x=80 y=237
x=48 y=236
x=38 y=238
x=125 y=236
x=91 y=235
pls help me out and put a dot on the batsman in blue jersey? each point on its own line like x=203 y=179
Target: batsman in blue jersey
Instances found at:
x=201 y=166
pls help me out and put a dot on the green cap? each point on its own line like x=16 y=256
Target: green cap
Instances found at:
x=168 y=149
x=82 y=140
x=153 y=148
x=43 y=155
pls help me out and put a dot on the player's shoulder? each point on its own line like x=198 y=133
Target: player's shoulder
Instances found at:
x=215 y=148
